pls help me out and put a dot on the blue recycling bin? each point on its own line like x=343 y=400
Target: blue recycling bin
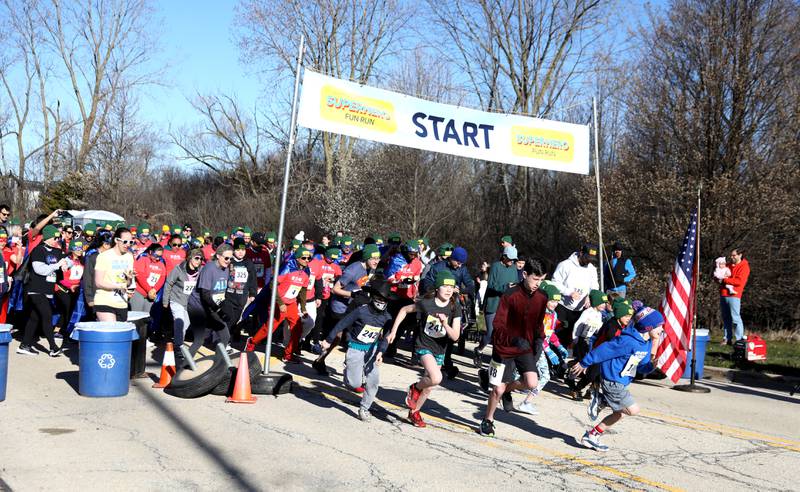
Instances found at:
x=105 y=357
x=5 y=339
x=702 y=341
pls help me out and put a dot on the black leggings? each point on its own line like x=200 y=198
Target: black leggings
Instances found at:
x=65 y=303
x=202 y=326
x=41 y=316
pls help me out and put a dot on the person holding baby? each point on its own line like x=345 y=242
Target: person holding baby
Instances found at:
x=732 y=277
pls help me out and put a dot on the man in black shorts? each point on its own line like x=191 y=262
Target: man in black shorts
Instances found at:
x=517 y=342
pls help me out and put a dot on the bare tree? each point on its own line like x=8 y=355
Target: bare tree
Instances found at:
x=103 y=46
x=345 y=38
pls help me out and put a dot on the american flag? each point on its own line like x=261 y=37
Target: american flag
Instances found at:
x=678 y=306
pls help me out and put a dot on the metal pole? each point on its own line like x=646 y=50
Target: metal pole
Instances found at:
x=286 y=169
x=597 y=182
x=697 y=284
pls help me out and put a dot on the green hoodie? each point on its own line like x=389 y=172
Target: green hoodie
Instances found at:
x=499 y=278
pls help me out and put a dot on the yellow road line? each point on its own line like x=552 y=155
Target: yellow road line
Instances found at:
x=725 y=430
x=492 y=443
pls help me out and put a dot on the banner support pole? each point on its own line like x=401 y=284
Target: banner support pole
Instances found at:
x=599 y=200
x=286 y=170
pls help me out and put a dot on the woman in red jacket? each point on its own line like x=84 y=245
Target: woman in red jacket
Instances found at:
x=731 y=303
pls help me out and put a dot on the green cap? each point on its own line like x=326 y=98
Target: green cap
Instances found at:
x=622 y=308
x=221 y=234
x=444 y=277
x=49 y=232
x=506 y=239
x=371 y=251
x=75 y=245
x=394 y=237
x=347 y=241
x=303 y=252
x=206 y=233
x=144 y=227
x=271 y=236
x=176 y=229
x=333 y=253
x=597 y=297
x=551 y=291
x=377 y=239
x=425 y=241
x=296 y=243
x=90 y=228
x=445 y=250
x=247 y=230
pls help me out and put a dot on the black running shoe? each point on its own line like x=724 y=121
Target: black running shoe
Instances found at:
x=487 y=428
x=508 y=402
x=320 y=367
x=483 y=376
x=451 y=372
x=55 y=352
x=27 y=350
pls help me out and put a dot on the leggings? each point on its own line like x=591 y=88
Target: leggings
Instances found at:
x=65 y=303
x=41 y=316
x=202 y=325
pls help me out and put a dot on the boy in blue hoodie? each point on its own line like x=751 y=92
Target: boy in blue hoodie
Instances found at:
x=620 y=358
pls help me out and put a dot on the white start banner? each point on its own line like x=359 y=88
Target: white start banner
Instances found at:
x=360 y=111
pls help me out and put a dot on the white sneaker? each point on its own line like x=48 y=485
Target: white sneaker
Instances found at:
x=528 y=407
x=364 y=415
x=593 y=442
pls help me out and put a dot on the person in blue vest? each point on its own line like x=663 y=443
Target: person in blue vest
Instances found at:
x=619 y=271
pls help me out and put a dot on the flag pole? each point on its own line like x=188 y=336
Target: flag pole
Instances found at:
x=692 y=387
x=597 y=182
x=286 y=169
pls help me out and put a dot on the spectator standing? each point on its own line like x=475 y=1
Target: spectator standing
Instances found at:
x=619 y=271
x=731 y=303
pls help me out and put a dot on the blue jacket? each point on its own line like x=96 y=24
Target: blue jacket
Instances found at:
x=622 y=357
x=463 y=279
x=397 y=262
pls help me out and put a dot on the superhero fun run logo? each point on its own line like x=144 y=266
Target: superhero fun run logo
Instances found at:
x=351 y=109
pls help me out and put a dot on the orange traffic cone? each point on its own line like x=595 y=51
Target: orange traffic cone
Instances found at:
x=241 y=389
x=167 y=367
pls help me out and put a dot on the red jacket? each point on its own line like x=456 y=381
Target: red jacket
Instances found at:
x=290 y=284
x=738 y=279
x=173 y=257
x=261 y=260
x=328 y=272
x=518 y=322
x=149 y=274
x=411 y=270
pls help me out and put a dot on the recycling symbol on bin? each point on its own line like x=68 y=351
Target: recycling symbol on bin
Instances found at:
x=106 y=361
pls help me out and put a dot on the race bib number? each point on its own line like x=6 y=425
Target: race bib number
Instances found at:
x=218 y=298
x=327 y=279
x=292 y=292
x=51 y=277
x=433 y=327
x=240 y=275
x=152 y=279
x=496 y=370
x=76 y=272
x=630 y=367
x=369 y=334
x=188 y=287
x=310 y=282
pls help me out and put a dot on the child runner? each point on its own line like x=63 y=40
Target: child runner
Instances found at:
x=620 y=359
x=550 y=344
x=588 y=324
x=366 y=328
x=438 y=320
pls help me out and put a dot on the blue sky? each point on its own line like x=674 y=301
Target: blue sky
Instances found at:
x=201 y=56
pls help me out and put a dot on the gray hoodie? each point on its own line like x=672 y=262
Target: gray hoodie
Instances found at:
x=179 y=285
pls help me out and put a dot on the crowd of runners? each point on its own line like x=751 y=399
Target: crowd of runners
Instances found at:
x=371 y=296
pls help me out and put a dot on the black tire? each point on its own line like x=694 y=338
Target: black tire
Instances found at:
x=272 y=384
x=225 y=386
x=192 y=384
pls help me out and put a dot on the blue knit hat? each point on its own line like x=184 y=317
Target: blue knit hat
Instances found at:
x=459 y=254
x=647 y=319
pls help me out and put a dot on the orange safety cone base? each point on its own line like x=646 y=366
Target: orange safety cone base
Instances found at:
x=167 y=367
x=241 y=389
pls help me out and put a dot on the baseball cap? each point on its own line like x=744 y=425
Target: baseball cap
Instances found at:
x=510 y=252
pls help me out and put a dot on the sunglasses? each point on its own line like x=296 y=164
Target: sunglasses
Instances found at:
x=175 y=245
x=197 y=257
x=226 y=258
x=67 y=232
x=125 y=242
x=5 y=214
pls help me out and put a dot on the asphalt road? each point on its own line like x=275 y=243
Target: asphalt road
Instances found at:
x=733 y=438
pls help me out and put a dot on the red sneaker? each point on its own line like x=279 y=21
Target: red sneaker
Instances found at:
x=412 y=396
x=359 y=390
x=416 y=419
x=249 y=346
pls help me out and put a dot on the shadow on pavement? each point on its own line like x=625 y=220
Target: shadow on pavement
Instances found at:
x=316 y=396
x=71 y=378
x=207 y=447
x=743 y=390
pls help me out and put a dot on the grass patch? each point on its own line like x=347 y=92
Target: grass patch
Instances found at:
x=783 y=355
